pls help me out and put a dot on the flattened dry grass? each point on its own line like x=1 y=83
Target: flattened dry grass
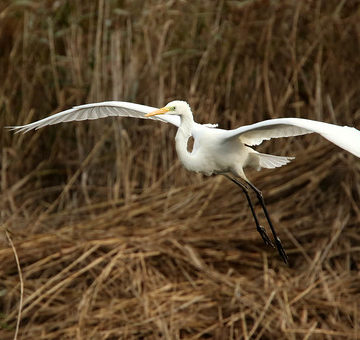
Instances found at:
x=115 y=240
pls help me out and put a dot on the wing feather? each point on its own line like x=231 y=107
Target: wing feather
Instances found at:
x=256 y=137
x=98 y=110
x=345 y=137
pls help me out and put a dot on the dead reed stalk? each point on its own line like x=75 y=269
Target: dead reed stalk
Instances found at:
x=115 y=239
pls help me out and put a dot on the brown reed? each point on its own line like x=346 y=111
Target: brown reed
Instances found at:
x=115 y=239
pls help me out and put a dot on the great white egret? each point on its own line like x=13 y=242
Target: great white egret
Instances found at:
x=217 y=151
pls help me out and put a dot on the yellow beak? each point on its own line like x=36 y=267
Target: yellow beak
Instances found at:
x=158 y=112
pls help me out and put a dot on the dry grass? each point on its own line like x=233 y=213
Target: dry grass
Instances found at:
x=115 y=239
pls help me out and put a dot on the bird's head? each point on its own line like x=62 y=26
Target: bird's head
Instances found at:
x=176 y=107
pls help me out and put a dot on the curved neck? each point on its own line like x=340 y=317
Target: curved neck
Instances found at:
x=181 y=140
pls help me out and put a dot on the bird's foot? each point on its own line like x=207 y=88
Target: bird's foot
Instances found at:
x=281 y=250
x=264 y=236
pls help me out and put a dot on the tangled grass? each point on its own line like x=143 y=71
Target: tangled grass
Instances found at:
x=115 y=240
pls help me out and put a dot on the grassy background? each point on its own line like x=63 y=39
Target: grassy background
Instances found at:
x=115 y=238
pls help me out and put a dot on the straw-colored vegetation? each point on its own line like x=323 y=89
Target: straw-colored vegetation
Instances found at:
x=115 y=239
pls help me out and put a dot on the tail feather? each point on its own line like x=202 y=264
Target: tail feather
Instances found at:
x=271 y=161
x=263 y=160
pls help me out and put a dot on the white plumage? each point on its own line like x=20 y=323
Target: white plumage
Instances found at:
x=216 y=151
x=95 y=111
x=346 y=137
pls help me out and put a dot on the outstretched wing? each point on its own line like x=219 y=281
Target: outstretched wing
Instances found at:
x=345 y=137
x=98 y=110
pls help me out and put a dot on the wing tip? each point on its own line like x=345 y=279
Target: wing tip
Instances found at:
x=19 y=129
x=15 y=129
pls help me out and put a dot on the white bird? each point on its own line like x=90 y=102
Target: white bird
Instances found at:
x=216 y=151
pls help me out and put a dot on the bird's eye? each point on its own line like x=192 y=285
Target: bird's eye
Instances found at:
x=172 y=108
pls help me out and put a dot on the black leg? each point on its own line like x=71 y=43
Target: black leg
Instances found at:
x=261 y=230
x=276 y=238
